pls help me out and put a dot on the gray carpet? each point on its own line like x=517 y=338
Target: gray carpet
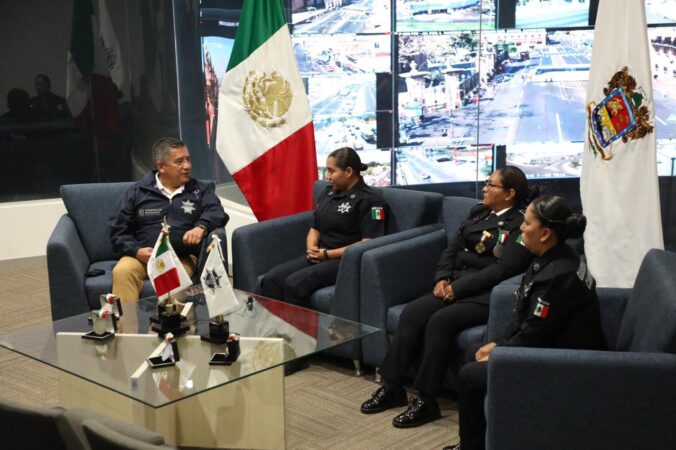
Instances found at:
x=322 y=402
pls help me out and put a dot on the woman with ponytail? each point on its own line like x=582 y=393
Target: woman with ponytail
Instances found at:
x=556 y=306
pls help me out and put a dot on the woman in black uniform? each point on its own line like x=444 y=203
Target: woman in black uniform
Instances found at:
x=555 y=306
x=485 y=251
x=347 y=211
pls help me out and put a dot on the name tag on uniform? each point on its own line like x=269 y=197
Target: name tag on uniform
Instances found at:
x=149 y=212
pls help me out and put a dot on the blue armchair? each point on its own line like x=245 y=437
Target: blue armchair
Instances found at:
x=257 y=248
x=622 y=398
x=396 y=274
x=81 y=242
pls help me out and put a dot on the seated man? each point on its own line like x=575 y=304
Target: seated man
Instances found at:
x=192 y=212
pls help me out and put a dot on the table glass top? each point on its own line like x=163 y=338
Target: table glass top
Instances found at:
x=271 y=333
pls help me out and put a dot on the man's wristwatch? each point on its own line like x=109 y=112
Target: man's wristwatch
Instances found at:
x=326 y=254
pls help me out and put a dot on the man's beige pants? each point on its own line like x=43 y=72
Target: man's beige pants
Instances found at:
x=129 y=274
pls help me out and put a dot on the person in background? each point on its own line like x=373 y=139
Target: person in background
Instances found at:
x=556 y=307
x=485 y=251
x=46 y=105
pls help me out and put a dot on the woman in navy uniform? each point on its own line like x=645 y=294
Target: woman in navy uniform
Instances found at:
x=347 y=211
x=484 y=252
x=555 y=306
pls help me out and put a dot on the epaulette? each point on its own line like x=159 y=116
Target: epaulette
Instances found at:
x=585 y=276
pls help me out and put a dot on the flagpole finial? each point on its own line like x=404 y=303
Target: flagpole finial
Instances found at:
x=165 y=226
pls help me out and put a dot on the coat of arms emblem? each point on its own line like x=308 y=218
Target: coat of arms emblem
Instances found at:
x=267 y=98
x=620 y=115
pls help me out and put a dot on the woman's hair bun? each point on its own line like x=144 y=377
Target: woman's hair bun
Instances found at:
x=363 y=167
x=575 y=225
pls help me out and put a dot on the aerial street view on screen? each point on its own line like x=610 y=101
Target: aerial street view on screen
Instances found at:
x=431 y=96
x=339 y=16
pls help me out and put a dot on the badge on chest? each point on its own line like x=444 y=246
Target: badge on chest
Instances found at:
x=344 y=207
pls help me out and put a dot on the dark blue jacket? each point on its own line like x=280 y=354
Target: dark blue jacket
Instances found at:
x=141 y=210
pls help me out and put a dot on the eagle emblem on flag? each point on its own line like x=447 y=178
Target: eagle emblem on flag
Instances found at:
x=620 y=115
x=267 y=97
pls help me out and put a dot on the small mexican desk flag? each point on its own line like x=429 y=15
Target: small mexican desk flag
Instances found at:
x=165 y=270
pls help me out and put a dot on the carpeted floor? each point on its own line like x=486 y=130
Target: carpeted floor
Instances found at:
x=322 y=402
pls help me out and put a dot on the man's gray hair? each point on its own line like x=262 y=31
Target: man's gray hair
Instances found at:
x=163 y=147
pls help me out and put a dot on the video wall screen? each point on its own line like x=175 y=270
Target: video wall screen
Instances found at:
x=436 y=74
x=426 y=165
x=444 y=15
x=421 y=96
x=666 y=158
x=547 y=159
x=348 y=53
x=660 y=11
x=341 y=16
x=344 y=112
x=378 y=163
x=551 y=13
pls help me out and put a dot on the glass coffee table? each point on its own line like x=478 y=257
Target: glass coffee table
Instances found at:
x=192 y=403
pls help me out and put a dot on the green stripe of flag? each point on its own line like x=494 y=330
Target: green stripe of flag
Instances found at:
x=260 y=19
x=163 y=247
x=82 y=36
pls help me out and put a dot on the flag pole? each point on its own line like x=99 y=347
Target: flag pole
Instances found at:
x=95 y=144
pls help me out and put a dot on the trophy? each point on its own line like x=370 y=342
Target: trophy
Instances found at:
x=104 y=320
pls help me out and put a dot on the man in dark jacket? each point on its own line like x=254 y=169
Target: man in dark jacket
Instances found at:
x=169 y=191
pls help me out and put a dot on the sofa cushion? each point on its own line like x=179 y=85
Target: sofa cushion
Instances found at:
x=321 y=300
x=454 y=211
x=649 y=320
x=91 y=206
x=409 y=209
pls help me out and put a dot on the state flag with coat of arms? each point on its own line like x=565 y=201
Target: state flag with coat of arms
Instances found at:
x=218 y=293
x=619 y=185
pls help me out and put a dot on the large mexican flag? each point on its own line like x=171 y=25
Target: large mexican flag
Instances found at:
x=265 y=134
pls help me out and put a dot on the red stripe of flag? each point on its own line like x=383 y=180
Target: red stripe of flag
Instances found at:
x=279 y=182
x=166 y=282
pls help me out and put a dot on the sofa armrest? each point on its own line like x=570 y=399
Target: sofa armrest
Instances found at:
x=347 y=297
x=391 y=275
x=501 y=313
x=562 y=399
x=67 y=263
x=259 y=247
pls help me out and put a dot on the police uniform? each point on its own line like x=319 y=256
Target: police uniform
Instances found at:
x=555 y=306
x=485 y=250
x=138 y=221
x=342 y=218
x=48 y=106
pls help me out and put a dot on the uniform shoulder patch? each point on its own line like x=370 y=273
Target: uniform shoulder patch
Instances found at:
x=585 y=275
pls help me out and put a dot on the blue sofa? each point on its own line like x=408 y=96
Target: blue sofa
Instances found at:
x=257 y=248
x=396 y=274
x=81 y=242
x=621 y=398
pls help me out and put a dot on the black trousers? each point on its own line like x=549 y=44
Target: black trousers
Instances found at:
x=473 y=385
x=296 y=280
x=428 y=326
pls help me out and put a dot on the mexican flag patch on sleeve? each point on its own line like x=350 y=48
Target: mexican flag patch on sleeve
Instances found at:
x=377 y=213
x=541 y=309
